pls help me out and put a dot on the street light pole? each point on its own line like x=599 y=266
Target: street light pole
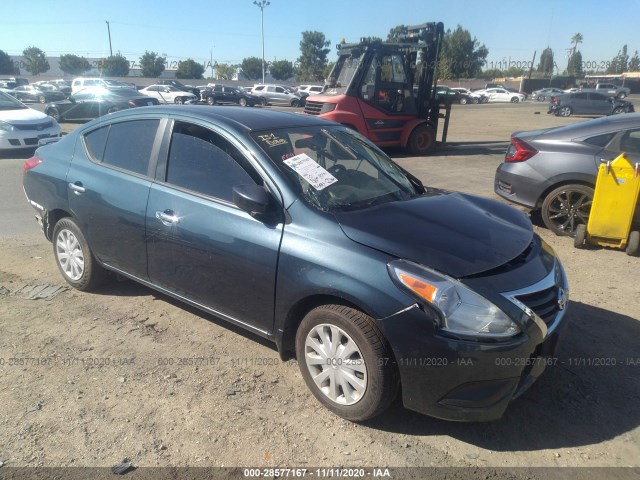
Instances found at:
x=109 y=30
x=262 y=4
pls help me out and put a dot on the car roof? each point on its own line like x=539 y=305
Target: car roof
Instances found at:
x=247 y=119
x=588 y=128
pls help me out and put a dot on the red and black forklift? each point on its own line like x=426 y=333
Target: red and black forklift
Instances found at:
x=387 y=90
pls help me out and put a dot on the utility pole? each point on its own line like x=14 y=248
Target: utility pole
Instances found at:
x=262 y=4
x=109 y=30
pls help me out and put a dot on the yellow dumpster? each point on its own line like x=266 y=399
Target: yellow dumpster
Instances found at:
x=612 y=210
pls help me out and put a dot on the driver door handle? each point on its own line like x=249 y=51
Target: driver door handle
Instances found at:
x=168 y=218
x=77 y=188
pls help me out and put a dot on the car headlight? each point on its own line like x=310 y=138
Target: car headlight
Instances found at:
x=6 y=127
x=462 y=311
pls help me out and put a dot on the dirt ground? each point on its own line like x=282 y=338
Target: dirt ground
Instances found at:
x=92 y=379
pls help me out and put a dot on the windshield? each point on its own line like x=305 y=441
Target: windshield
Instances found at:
x=7 y=102
x=342 y=73
x=335 y=168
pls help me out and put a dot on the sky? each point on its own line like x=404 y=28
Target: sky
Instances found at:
x=230 y=30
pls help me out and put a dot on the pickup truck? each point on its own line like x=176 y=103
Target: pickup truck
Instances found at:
x=609 y=89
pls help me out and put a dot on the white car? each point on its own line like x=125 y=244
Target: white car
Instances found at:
x=23 y=127
x=168 y=94
x=501 y=95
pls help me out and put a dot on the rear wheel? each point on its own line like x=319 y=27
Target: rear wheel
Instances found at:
x=565 y=111
x=566 y=207
x=581 y=236
x=421 y=140
x=263 y=101
x=633 y=245
x=179 y=100
x=475 y=100
x=242 y=102
x=541 y=98
x=54 y=113
x=42 y=99
x=344 y=360
x=618 y=110
x=463 y=101
x=622 y=95
x=515 y=99
x=295 y=103
x=74 y=258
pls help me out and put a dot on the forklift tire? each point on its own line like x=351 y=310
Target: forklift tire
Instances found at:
x=581 y=236
x=422 y=140
x=633 y=244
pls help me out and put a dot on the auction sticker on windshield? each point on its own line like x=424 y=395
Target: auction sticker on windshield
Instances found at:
x=308 y=169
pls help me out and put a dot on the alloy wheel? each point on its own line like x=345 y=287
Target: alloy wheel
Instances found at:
x=69 y=254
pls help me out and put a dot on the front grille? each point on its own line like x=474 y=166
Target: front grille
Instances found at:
x=543 y=303
x=30 y=141
x=34 y=126
x=313 y=108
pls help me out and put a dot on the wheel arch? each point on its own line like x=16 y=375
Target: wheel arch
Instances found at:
x=286 y=334
x=51 y=217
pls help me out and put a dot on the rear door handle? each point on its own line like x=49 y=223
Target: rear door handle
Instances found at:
x=168 y=218
x=77 y=188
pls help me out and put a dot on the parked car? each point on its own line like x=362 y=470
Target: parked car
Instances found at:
x=470 y=97
x=546 y=94
x=53 y=85
x=93 y=103
x=307 y=90
x=31 y=93
x=180 y=86
x=515 y=90
x=303 y=232
x=168 y=94
x=276 y=95
x=82 y=83
x=587 y=103
x=501 y=95
x=226 y=94
x=21 y=126
x=555 y=169
x=447 y=95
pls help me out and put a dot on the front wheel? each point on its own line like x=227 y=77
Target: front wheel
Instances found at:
x=211 y=101
x=565 y=112
x=581 y=236
x=622 y=95
x=567 y=207
x=422 y=140
x=42 y=99
x=242 y=102
x=179 y=100
x=344 y=360
x=74 y=257
x=463 y=101
x=54 y=113
x=541 y=99
x=295 y=103
x=618 y=110
x=515 y=100
x=475 y=100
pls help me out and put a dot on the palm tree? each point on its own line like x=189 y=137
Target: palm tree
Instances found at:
x=576 y=39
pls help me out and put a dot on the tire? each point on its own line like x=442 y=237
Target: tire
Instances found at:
x=463 y=101
x=618 y=111
x=633 y=245
x=422 y=140
x=368 y=383
x=622 y=95
x=263 y=101
x=211 y=101
x=54 y=113
x=485 y=100
x=74 y=257
x=564 y=112
x=515 y=99
x=541 y=99
x=178 y=100
x=581 y=236
x=566 y=207
x=242 y=102
x=475 y=100
x=295 y=103
x=42 y=99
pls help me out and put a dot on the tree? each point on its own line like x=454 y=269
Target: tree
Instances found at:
x=634 y=62
x=7 y=67
x=224 y=71
x=546 y=62
x=115 y=66
x=281 y=69
x=313 y=56
x=492 y=73
x=461 y=56
x=251 y=68
x=35 y=61
x=574 y=68
x=620 y=62
x=189 y=68
x=576 y=39
x=73 y=64
x=151 y=64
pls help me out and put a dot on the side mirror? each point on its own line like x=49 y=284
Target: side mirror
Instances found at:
x=251 y=198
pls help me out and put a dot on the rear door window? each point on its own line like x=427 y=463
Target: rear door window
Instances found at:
x=129 y=145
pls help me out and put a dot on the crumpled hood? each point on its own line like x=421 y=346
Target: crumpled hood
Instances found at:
x=457 y=234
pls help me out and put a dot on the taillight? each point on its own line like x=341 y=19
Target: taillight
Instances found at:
x=31 y=163
x=519 y=151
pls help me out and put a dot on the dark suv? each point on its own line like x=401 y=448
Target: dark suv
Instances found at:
x=226 y=94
